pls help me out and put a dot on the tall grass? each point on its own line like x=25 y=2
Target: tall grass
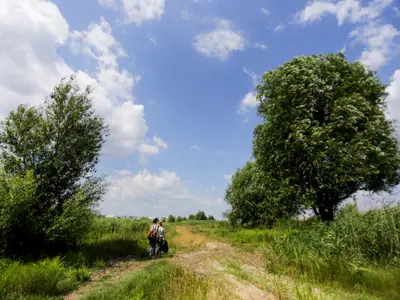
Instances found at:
x=160 y=280
x=359 y=251
x=50 y=277
x=109 y=239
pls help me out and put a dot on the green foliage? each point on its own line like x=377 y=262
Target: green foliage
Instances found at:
x=179 y=219
x=325 y=134
x=184 y=219
x=171 y=219
x=200 y=216
x=253 y=198
x=49 y=277
x=160 y=280
x=18 y=223
x=211 y=218
x=357 y=250
x=59 y=146
x=192 y=217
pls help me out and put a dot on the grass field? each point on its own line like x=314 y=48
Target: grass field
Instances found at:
x=51 y=277
x=358 y=252
x=358 y=255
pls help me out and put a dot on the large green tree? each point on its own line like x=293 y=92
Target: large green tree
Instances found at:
x=253 y=198
x=60 y=144
x=325 y=134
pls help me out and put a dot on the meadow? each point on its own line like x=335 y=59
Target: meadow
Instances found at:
x=109 y=239
x=358 y=252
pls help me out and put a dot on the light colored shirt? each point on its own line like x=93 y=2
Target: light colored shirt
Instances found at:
x=160 y=233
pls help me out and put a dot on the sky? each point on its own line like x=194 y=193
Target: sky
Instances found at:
x=175 y=80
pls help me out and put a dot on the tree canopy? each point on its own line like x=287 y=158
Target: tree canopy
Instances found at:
x=325 y=134
x=59 y=146
x=253 y=198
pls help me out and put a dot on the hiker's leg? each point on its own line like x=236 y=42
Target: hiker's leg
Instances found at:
x=152 y=247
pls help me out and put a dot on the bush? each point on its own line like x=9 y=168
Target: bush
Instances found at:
x=211 y=218
x=171 y=219
x=200 y=216
x=179 y=219
x=191 y=217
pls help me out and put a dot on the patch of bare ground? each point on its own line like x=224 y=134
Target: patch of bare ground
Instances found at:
x=114 y=271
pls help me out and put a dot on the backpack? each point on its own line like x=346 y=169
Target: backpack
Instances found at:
x=153 y=233
x=164 y=247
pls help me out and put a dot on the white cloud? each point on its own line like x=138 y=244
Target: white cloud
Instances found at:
x=152 y=39
x=248 y=102
x=159 y=142
x=377 y=38
x=123 y=172
x=345 y=10
x=137 y=11
x=31 y=68
x=264 y=11
x=220 y=42
x=228 y=177
x=195 y=147
x=186 y=15
x=108 y=3
x=211 y=189
x=253 y=76
x=393 y=99
x=260 y=46
x=155 y=194
x=379 y=41
x=280 y=27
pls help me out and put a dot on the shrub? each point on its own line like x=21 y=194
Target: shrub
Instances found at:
x=171 y=219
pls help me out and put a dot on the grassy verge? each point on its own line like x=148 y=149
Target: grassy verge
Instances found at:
x=160 y=280
x=358 y=252
x=109 y=239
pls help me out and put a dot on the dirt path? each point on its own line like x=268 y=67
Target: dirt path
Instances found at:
x=242 y=273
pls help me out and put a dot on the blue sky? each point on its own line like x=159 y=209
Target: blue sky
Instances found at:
x=174 y=79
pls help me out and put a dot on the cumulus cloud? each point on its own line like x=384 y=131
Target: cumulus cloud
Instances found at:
x=31 y=68
x=379 y=41
x=248 y=102
x=377 y=38
x=137 y=11
x=220 y=42
x=155 y=194
x=345 y=10
x=393 y=99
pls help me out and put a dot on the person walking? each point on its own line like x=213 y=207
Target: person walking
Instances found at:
x=160 y=238
x=152 y=236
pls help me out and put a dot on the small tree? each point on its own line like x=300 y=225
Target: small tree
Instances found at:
x=179 y=219
x=60 y=145
x=201 y=216
x=325 y=134
x=192 y=217
x=184 y=219
x=253 y=198
x=211 y=218
x=171 y=219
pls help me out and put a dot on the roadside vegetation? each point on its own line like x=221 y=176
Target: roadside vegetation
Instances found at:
x=324 y=136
